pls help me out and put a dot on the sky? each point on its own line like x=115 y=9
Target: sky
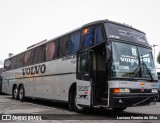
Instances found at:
x=26 y=22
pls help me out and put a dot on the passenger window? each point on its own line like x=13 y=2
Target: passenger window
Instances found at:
x=13 y=62
x=50 y=50
x=28 y=57
x=74 y=42
x=39 y=54
x=7 y=64
x=20 y=62
x=92 y=35
x=98 y=34
x=64 y=45
x=87 y=37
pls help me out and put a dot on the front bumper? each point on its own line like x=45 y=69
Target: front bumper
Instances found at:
x=132 y=99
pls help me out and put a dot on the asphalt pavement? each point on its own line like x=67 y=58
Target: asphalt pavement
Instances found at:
x=42 y=110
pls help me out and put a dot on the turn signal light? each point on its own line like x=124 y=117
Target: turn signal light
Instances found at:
x=121 y=90
x=116 y=90
x=142 y=84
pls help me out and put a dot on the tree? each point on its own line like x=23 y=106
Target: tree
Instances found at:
x=158 y=58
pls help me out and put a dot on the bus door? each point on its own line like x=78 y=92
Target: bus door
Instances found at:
x=83 y=79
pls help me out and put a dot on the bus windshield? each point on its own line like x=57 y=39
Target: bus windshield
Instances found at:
x=132 y=61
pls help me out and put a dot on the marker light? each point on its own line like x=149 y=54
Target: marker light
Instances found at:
x=142 y=84
x=85 y=31
x=116 y=90
x=121 y=90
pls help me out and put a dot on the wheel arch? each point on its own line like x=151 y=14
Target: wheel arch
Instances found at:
x=71 y=90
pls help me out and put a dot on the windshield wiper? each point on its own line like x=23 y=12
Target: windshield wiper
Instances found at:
x=149 y=73
x=136 y=71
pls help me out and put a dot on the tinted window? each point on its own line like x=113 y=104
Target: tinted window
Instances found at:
x=20 y=61
x=28 y=57
x=7 y=64
x=64 y=45
x=56 y=54
x=13 y=62
x=92 y=35
x=39 y=54
x=98 y=34
x=74 y=42
x=52 y=50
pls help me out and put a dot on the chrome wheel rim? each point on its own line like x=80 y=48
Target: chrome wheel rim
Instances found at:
x=21 y=93
x=15 y=92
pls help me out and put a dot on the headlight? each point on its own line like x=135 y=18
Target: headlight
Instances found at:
x=154 y=90
x=121 y=90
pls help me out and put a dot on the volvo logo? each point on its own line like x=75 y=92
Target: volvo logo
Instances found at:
x=34 y=70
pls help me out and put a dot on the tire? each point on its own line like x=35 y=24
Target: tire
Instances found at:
x=71 y=106
x=15 y=93
x=75 y=106
x=21 y=93
x=119 y=109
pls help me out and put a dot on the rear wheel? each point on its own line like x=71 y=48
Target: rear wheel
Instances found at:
x=21 y=93
x=15 y=93
x=119 y=109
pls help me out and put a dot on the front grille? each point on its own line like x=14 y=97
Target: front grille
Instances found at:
x=139 y=91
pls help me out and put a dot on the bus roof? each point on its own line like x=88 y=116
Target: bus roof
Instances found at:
x=85 y=25
x=113 y=22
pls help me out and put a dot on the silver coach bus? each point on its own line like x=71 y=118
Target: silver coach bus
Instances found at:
x=101 y=64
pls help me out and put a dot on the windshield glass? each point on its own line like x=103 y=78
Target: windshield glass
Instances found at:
x=147 y=62
x=126 y=62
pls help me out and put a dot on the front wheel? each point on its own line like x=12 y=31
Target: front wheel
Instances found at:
x=75 y=105
x=21 y=93
x=119 y=109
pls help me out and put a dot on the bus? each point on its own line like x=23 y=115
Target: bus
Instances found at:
x=102 y=64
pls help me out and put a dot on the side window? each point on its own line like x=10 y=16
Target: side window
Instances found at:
x=52 y=50
x=57 y=49
x=98 y=34
x=92 y=35
x=87 y=39
x=74 y=42
x=7 y=64
x=20 y=62
x=64 y=45
x=28 y=57
x=13 y=62
x=39 y=54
